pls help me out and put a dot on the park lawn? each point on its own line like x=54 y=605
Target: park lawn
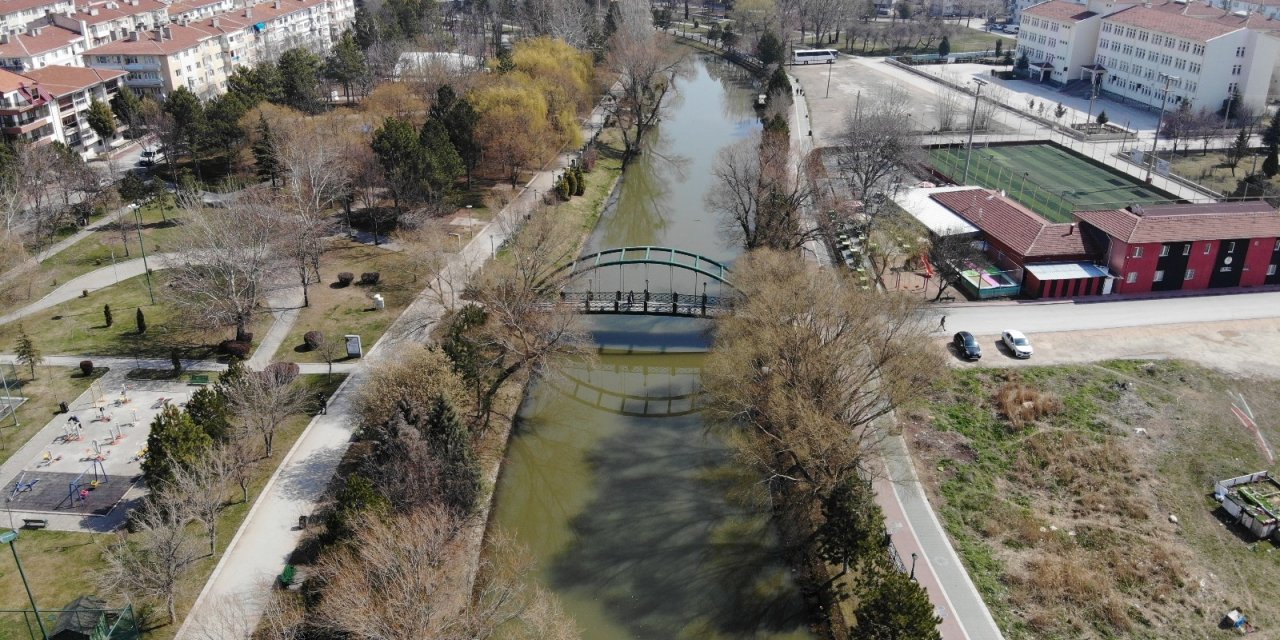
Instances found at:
x=1211 y=170
x=338 y=311
x=51 y=386
x=963 y=40
x=1063 y=522
x=76 y=327
x=586 y=208
x=60 y=566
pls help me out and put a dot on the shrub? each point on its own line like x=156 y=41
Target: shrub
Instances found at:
x=370 y=277
x=1021 y=404
x=234 y=348
x=313 y=339
x=346 y=278
x=589 y=158
x=281 y=372
x=579 y=184
x=86 y=367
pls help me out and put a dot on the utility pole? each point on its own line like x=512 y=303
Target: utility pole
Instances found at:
x=143 y=245
x=1164 y=98
x=9 y=537
x=973 y=124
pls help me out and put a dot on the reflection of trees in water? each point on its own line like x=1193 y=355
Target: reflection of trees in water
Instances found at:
x=740 y=88
x=676 y=542
x=644 y=201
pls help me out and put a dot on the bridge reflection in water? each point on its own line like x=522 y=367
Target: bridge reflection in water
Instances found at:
x=604 y=387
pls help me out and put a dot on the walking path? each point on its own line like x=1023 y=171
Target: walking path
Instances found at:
x=92 y=281
x=230 y=605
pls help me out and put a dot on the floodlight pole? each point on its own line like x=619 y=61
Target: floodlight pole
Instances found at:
x=1164 y=97
x=9 y=537
x=973 y=124
x=143 y=245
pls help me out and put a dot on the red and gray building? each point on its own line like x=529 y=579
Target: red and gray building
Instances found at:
x=1188 y=246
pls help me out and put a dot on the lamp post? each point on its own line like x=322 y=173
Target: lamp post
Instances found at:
x=1093 y=95
x=973 y=124
x=913 y=565
x=13 y=409
x=493 y=250
x=143 y=246
x=829 y=66
x=9 y=537
x=1164 y=97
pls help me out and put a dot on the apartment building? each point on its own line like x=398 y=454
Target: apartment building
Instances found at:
x=1017 y=7
x=1207 y=53
x=15 y=15
x=103 y=22
x=201 y=54
x=41 y=45
x=50 y=104
x=1267 y=8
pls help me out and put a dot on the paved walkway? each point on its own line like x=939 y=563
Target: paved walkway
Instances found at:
x=92 y=281
x=231 y=601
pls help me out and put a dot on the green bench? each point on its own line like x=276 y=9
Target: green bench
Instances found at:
x=199 y=379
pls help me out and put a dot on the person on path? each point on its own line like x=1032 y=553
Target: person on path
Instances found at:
x=942 y=324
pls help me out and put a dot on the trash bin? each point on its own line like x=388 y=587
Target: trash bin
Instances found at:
x=63 y=407
x=302 y=522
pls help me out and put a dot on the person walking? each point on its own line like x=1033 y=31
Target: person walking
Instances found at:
x=942 y=324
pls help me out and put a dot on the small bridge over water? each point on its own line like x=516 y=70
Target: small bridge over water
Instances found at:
x=632 y=297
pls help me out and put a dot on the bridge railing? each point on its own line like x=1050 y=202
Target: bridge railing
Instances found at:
x=649 y=303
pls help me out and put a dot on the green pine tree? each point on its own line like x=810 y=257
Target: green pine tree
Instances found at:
x=443 y=164
x=579 y=182
x=1271 y=135
x=944 y=47
x=175 y=441
x=852 y=530
x=1239 y=149
x=451 y=443
x=346 y=64
x=1102 y=117
x=896 y=608
x=101 y=119
x=264 y=151
x=1271 y=165
x=141 y=321
x=209 y=410
x=128 y=109
x=27 y=351
x=106 y=314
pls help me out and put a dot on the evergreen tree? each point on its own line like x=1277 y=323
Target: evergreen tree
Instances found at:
x=106 y=314
x=999 y=47
x=1271 y=135
x=1024 y=62
x=101 y=119
x=1239 y=149
x=728 y=37
x=770 y=49
x=300 y=80
x=364 y=29
x=346 y=63
x=222 y=125
x=779 y=84
x=443 y=165
x=1102 y=117
x=944 y=47
x=579 y=183
x=451 y=443
x=264 y=151
x=188 y=120
x=133 y=189
x=460 y=120
x=210 y=411
x=506 y=63
x=141 y=320
x=175 y=441
x=256 y=85
x=27 y=351
x=852 y=530
x=128 y=108
x=1059 y=111
x=896 y=608
x=1271 y=165
x=403 y=162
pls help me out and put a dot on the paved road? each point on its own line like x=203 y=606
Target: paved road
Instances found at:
x=1099 y=313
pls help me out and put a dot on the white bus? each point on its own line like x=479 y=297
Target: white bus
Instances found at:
x=814 y=56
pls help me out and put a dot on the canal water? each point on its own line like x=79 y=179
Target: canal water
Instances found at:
x=639 y=518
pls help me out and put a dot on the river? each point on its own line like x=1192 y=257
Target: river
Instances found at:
x=640 y=520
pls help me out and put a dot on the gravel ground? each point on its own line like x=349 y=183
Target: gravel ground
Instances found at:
x=1244 y=347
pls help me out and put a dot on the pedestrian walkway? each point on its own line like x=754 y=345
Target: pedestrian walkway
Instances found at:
x=97 y=279
x=269 y=533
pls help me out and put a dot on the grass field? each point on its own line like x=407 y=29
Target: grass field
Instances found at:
x=1046 y=178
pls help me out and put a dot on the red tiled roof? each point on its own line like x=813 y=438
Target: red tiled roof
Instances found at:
x=10 y=81
x=1014 y=226
x=51 y=38
x=151 y=43
x=117 y=10
x=1059 y=10
x=17 y=6
x=1199 y=23
x=62 y=80
x=1187 y=223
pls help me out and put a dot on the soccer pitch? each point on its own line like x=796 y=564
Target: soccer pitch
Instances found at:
x=1047 y=179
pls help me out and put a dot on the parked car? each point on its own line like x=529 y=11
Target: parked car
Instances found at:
x=1017 y=343
x=967 y=346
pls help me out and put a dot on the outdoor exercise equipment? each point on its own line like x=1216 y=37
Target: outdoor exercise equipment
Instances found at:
x=70 y=432
x=47 y=458
x=89 y=479
x=22 y=485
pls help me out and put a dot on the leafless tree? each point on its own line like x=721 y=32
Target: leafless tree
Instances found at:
x=317 y=172
x=410 y=576
x=803 y=387
x=646 y=73
x=228 y=259
x=200 y=489
x=153 y=563
x=263 y=402
x=949 y=104
x=760 y=195
x=949 y=254
x=877 y=144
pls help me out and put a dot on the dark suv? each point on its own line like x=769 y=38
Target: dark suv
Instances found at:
x=967 y=346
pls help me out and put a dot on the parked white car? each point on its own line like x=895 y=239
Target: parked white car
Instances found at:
x=1017 y=343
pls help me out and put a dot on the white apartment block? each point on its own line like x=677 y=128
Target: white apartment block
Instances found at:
x=1016 y=7
x=15 y=15
x=50 y=104
x=41 y=45
x=1267 y=8
x=1208 y=53
x=201 y=54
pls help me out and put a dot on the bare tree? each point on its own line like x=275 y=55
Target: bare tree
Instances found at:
x=263 y=402
x=646 y=73
x=317 y=172
x=152 y=563
x=200 y=490
x=950 y=253
x=877 y=144
x=760 y=195
x=949 y=104
x=229 y=257
x=803 y=386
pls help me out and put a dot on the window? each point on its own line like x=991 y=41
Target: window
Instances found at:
x=1226 y=269
x=1194 y=68
x=1231 y=247
x=1143 y=36
x=1180 y=64
x=1233 y=87
x=1191 y=275
x=1164 y=250
x=1183 y=45
x=1159 y=277
x=1132 y=277
x=1271 y=269
x=1186 y=249
x=1239 y=52
x=1137 y=252
x=1277 y=246
x=1198 y=50
x=1235 y=70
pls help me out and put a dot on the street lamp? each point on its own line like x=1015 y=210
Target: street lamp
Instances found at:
x=973 y=124
x=913 y=565
x=143 y=246
x=493 y=251
x=9 y=537
x=1093 y=95
x=1164 y=97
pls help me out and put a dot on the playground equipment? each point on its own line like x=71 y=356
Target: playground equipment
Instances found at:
x=95 y=392
x=114 y=436
x=88 y=480
x=46 y=459
x=70 y=432
x=22 y=485
x=123 y=399
x=141 y=453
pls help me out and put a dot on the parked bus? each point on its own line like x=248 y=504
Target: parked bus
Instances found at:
x=814 y=56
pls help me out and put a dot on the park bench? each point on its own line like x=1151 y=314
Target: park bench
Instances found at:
x=34 y=523
x=199 y=379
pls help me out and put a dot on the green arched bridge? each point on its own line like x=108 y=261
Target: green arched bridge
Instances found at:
x=645 y=301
